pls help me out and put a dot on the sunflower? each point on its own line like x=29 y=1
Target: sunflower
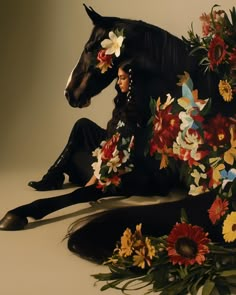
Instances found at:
x=187 y=244
x=225 y=90
x=218 y=209
x=217 y=51
x=229 y=227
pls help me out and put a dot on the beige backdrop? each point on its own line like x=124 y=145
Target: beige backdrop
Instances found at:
x=40 y=42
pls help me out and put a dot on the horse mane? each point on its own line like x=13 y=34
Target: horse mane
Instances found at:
x=161 y=53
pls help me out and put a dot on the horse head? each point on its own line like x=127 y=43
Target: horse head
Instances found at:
x=86 y=80
x=161 y=53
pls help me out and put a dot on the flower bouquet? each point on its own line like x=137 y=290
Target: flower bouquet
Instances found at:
x=114 y=158
x=185 y=260
x=205 y=149
x=177 y=264
x=216 y=49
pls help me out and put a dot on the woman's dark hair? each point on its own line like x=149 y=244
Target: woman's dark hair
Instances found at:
x=131 y=107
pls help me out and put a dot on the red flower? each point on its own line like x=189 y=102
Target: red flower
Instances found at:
x=187 y=244
x=109 y=147
x=217 y=51
x=217 y=131
x=232 y=58
x=206 y=27
x=166 y=128
x=218 y=209
x=103 y=57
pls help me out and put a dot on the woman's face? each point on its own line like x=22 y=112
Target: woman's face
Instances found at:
x=123 y=80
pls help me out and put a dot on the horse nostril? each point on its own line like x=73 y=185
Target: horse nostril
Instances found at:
x=67 y=95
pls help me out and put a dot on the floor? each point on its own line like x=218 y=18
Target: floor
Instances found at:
x=36 y=260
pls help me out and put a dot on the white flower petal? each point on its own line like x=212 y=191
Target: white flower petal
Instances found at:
x=112 y=36
x=106 y=43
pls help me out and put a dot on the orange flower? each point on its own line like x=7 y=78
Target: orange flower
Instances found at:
x=187 y=244
x=218 y=209
x=217 y=51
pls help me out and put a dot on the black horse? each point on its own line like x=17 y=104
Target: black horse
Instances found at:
x=165 y=57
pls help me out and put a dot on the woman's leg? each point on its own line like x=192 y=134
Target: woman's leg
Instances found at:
x=84 y=138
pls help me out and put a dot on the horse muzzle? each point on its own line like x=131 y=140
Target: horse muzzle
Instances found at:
x=77 y=103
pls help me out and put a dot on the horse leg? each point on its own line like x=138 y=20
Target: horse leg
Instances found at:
x=16 y=219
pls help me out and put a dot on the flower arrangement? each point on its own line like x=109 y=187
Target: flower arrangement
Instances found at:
x=186 y=259
x=216 y=49
x=114 y=158
x=180 y=263
x=205 y=149
x=110 y=47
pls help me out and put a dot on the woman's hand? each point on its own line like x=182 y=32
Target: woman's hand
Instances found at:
x=91 y=181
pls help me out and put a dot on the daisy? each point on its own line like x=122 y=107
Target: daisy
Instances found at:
x=229 y=227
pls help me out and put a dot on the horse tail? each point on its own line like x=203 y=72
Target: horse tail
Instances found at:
x=95 y=237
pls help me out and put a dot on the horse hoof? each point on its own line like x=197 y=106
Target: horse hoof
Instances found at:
x=13 y=222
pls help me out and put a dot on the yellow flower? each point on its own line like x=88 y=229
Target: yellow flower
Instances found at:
x=139 y=259
x=230 y=155
x=229 y=227
x=126 y=243
x=225 y=90
x=151 y=251
x=144 y=255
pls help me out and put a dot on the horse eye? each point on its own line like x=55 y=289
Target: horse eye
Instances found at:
x=89 y=47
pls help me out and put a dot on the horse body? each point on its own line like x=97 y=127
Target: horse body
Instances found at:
x=164 y=56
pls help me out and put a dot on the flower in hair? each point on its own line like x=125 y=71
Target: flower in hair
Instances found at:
x=110 y=47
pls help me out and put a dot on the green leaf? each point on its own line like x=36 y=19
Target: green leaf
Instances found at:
x=223 y=289
x=184 y=217
x=208 y=287
x=228 y=273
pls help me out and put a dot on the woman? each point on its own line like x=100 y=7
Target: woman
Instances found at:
x=129 y=117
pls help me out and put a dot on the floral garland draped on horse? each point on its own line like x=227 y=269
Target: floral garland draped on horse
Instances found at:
x=205 y=146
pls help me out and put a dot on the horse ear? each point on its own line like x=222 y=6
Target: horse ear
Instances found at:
x=94 y=16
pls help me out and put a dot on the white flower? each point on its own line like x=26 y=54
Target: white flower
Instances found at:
x=126 y=156
x=168 y=101
x=96 y=167
x=187 y=121
x=120 y=124
x=113 y=164
x=113 y=44
x=96 y=152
